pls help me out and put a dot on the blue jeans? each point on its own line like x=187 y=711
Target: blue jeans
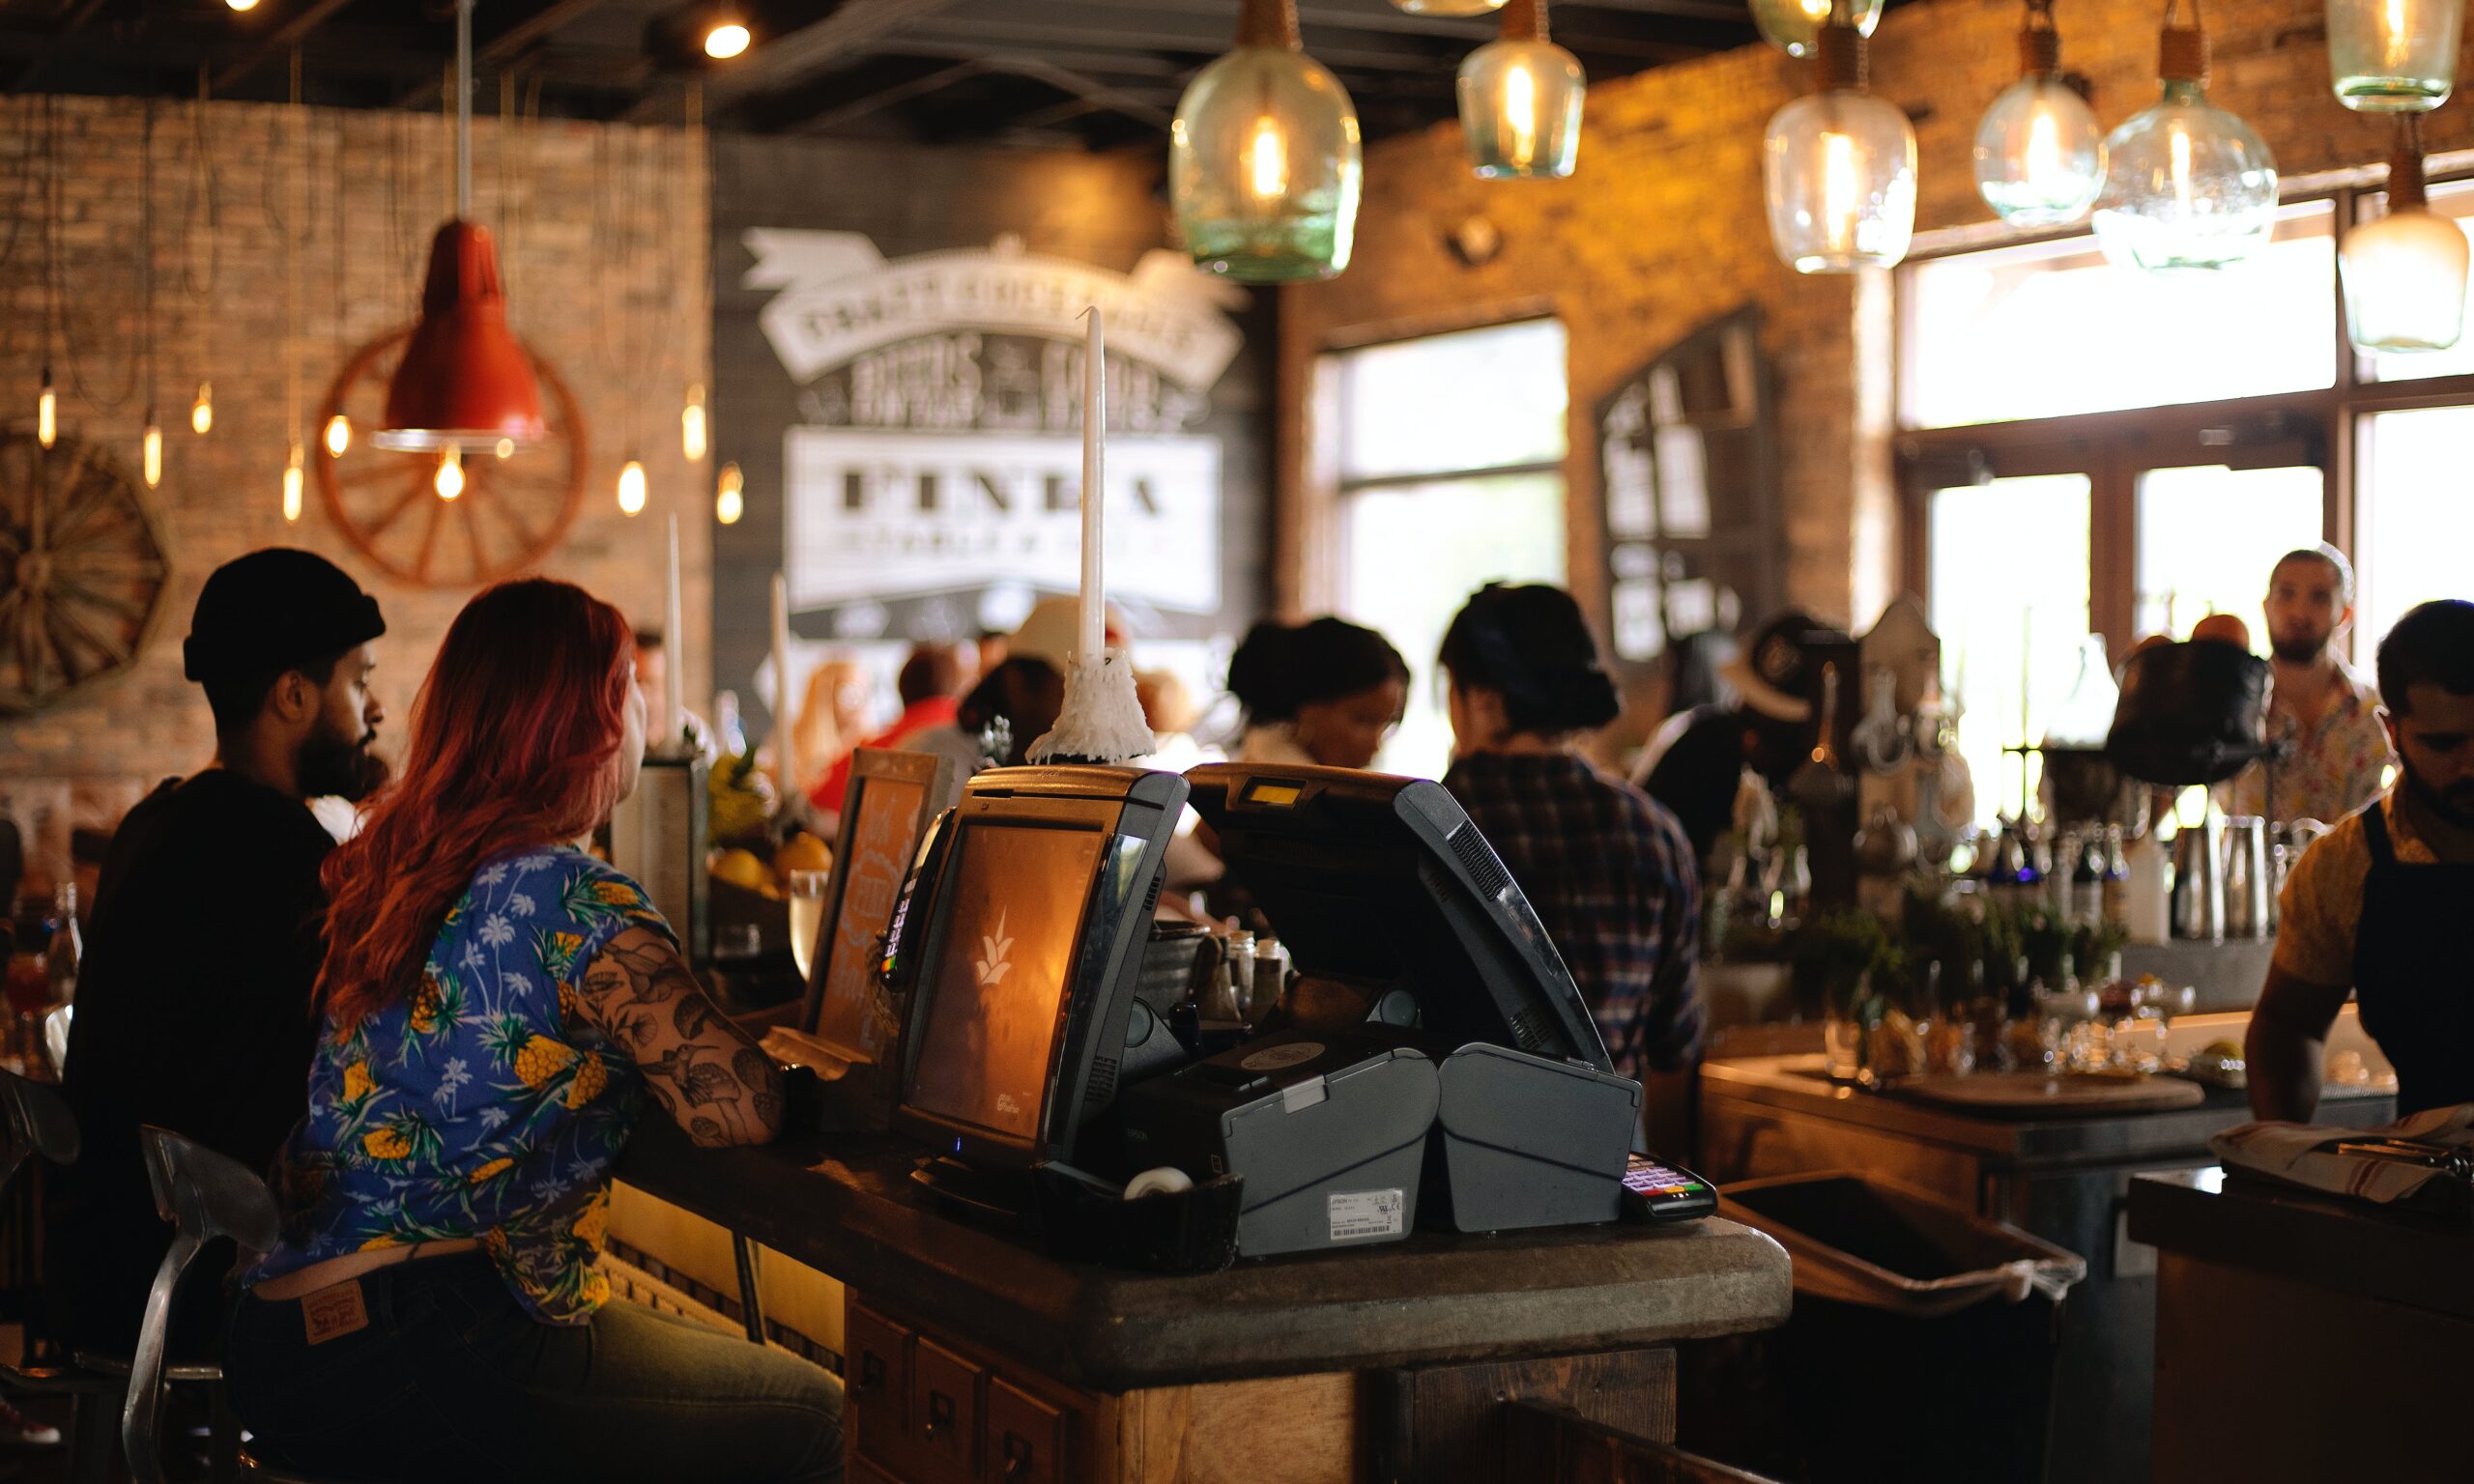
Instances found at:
x=451 y=1378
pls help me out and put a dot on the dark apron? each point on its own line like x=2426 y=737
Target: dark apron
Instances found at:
x=2414 y=971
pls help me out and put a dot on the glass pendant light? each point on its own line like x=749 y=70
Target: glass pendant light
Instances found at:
x=2404 y=273
x=46 y=411
x=202 y=410
x=1263 y=157
x=150 y=451
x=338 y=436
x=1794 y=26
x=292 y=466
x=448 y=482
x=2187 y=184
x=729 y=496
x=631 y=488
x=1520 y=101
x=1839 y=166
x=2394 y=56
x=691 y=424
x=2039 y=153
x=1448 y=7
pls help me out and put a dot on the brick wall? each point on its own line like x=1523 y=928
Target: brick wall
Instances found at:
x=602 y=240
x=1662 y=227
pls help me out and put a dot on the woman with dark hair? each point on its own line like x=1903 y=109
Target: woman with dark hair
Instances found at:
x=1608 y=869
x=496 y=1004
x=1326 y=693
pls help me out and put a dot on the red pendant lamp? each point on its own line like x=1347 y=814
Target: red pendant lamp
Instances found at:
x=465 y=382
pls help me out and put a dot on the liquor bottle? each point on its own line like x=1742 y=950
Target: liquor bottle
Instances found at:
x=2114 y=893
x=67 y=945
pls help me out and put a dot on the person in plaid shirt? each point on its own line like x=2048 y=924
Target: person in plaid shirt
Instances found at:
x=1608 y=868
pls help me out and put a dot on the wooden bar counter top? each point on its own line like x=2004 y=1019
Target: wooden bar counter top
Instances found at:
x=969 y=1355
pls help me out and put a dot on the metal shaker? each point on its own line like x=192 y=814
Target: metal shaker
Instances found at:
x=2248 y=889
x=2199 y=880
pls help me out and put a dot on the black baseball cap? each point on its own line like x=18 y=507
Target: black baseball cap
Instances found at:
x=1774 y=672
x=275 y=610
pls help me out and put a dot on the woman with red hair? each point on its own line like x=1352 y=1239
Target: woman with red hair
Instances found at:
x=495 y=1003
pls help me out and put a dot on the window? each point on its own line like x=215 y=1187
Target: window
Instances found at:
x=2008 y=620
x=1449 y=453
x=2052 y=328
x=2208 y=536
x=2416 y=524
x=2164 y=437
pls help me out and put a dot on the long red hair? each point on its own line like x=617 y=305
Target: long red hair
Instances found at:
x=515 y=741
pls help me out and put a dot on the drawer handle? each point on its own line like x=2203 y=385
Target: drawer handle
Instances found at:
x=940 y=1415
x=1017 y=1456
x=872 y=1378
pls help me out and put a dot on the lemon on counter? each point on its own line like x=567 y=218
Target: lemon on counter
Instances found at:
x=741 y=868
x=802 y=851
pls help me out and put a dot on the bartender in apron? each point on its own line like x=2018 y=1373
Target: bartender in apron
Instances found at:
x=2382 y=906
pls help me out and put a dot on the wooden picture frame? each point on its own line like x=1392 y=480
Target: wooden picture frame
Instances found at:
x=893 y=799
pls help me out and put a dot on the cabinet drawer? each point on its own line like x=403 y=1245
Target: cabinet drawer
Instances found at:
x=1026 y=1436
x=944 y=1414
x=876 y=1387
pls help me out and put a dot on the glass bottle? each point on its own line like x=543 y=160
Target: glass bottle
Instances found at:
x=1794 y=26
x=2187 y=184
x=1263 y=157
x=1520 y=101
x=67 y=950
x=1839 y=169
x=2392 y=56
x=2039 y=153
x=2114 y=895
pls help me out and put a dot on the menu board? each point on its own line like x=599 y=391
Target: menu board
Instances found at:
x=876 y=851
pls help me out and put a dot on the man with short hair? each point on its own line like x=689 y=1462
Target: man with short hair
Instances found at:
x=203 y=946
x=2377 y=906
x=930 y=685
x=2323 y=713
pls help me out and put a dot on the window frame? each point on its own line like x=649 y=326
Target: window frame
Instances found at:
x=2113 y=448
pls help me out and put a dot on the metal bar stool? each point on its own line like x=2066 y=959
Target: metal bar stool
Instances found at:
x=36 y=1120
x=205 y=1196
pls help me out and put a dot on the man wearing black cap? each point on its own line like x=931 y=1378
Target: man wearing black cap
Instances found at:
x=1768 y=729
x=193 y=997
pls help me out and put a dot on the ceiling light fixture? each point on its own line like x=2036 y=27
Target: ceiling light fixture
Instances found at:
x=464 y=380
x=2040 y=153
x=2187 y=184
x=1840 y=166
x=1263 y=157
x=1520 y=101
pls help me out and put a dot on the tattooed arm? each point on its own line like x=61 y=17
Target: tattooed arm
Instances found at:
x=712 y=1078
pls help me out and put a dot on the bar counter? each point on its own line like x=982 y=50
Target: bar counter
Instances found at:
x=1363 y=1362
x=2348 y=1322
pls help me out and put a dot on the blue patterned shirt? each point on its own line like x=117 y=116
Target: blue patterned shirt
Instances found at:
x=1611 y=875
x=482 y=1105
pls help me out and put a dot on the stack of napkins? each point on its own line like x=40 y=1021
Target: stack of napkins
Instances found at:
x=2307 y=1155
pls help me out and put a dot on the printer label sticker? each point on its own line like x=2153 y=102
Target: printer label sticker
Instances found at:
x=1275 y=1058
x=1357 y=1213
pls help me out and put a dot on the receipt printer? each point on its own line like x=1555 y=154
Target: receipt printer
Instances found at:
x=1523 y=1140
x=1330 y=1132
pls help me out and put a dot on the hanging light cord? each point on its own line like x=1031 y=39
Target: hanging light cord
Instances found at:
x=463 y=110
x=146 y=247
x=2039 y=43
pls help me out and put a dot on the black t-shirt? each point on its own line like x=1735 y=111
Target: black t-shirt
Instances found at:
x=1698 y=776
x=192 y=1014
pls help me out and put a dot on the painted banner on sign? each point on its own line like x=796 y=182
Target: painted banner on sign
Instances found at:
x=877 y=514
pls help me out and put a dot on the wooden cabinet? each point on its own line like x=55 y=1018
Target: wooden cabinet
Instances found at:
x=929 y=1409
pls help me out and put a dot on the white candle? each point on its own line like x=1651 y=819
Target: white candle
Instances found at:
x=1095 y=415
x=674 y=671
x=782 y=701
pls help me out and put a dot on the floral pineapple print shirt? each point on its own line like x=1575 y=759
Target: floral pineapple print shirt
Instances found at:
x=483 y=1105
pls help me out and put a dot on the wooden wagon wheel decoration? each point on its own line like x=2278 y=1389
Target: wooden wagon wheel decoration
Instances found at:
x=511 y=513
x=82 y=570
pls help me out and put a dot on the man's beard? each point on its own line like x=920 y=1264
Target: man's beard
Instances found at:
x=2300 y=651
x=343 y=767
x=2453 y=805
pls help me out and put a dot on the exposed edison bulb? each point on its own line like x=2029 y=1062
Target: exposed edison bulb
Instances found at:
x=150 y=451
x=726 y=41
x=48 y=411
x=338 y=435
x=729 y=496
x=202 y=410
x=631 y=488
x=691 y=424
x=506 y=448
x=1267 y=161
x=2039 y=154
x=450 y=481
x=292 y=485
x=1840 y=177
